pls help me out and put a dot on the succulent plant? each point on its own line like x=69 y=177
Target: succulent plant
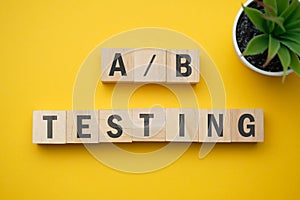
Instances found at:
x=280 y=27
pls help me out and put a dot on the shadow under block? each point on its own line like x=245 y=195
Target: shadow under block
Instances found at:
x=214 y=126
x=247 y=125
x=182 y=125
x=150 y=65
x=115 y=126
x=183 y=66
x=49 y=127
x=117 y=65
x=82 y=126
x=149 y=124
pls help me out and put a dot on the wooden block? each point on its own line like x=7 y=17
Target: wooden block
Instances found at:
x=49 y=127
x=82 y=126
x=182 y=125
x=183 y=66
x=247 y=125
x=115 y=125
x=149 y=124
x=150 y=65
x=214 y=126
x=117 y=65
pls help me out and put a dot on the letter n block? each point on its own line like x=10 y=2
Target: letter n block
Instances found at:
x=182 y=125
x=82 y=126
x=150 y=65
x=149 y=124
x=49 y=127
x=115 y=126
x=214 y=126
x=183 y=66
x=117 y=65
x=247 y=125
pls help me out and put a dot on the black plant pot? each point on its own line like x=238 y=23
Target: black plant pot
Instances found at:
x=240 y=41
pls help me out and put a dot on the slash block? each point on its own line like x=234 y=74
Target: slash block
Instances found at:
x=150 y=65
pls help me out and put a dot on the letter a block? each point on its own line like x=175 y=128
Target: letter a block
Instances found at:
x=247 y=125
x=49 y=127
x=82 y=126
x=117 y=65
x=182 y=125
x=183 y=66
x=150 y=65
x=115 y=125
x=149 y=124
x=214 y=126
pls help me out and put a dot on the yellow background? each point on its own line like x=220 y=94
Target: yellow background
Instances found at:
x=44 y=43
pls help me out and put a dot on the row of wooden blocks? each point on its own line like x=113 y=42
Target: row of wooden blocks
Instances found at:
x=148 y=125
x=150 y=65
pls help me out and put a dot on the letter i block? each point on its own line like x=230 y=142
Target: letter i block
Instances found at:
x=82 y=126
x=150 y=65
x=247 y=125
x=49 y=127
x=214 y=126
x=183 y=66
x=149 y=125
x=115 y=125
x=182 y=125
x=117 y=65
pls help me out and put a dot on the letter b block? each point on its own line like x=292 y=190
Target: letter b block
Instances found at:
x=183 y=66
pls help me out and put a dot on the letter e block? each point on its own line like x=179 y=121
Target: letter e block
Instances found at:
x=214 y=126
x=82 y=126
x=150 y=65
x=115 y=125
x=117 y=65
x=247 y=125
x=182 y=125
x=49 y=127
x=183 y=66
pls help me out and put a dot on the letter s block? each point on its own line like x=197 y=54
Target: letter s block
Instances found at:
x=183 y=66
x=247 y=125
x=49 y=127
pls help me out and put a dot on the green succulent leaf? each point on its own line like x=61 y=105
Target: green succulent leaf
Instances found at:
x=285 y=59
x=292 y=24
x=270 y=7
x=290 y=9
x=292 y=36
x=295 y=15
x=257 y=45
x=282 y=5
x=277 y=20
x=295 y=63
x=273 y=49
x=256 y=17
x=293 y=46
